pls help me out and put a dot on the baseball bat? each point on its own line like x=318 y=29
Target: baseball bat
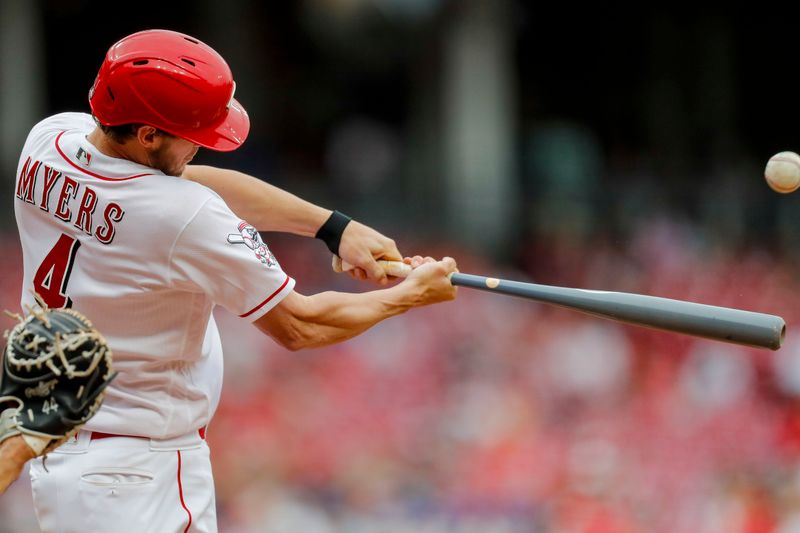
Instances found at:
x=718 y=323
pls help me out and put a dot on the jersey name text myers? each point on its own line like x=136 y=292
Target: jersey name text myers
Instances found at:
x=80 y=214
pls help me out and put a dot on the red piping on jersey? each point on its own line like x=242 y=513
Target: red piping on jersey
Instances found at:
x=270 y=297
x=98 y=176
x=180 y=492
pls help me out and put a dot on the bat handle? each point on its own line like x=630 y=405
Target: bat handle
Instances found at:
x=396 y=269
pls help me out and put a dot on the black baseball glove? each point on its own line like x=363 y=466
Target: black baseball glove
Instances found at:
x=56 y=367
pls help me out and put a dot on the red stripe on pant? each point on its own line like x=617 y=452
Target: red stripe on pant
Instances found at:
x=180 y=492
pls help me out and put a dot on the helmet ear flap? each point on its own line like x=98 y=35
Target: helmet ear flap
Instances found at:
x=174 y=83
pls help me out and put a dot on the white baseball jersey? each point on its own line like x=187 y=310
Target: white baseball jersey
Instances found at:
x=145 y=256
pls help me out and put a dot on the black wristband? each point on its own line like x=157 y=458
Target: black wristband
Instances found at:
x=331 y=231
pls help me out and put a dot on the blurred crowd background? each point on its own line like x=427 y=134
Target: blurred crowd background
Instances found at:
x=587 y=147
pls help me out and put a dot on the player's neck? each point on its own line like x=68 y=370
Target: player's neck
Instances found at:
x=108 y=147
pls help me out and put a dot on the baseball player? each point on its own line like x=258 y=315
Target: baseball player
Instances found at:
x=115 y=223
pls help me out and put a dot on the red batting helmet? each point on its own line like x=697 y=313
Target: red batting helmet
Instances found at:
x=172 y=82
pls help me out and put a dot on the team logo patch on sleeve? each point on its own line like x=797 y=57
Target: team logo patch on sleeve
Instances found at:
x=248 y=235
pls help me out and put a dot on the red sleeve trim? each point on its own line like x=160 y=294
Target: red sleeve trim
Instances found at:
x=270 y=297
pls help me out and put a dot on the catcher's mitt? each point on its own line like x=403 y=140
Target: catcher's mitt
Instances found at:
x=56 y=367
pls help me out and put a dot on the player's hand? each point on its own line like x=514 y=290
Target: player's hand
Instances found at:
x=361 y=246
x=432 y=278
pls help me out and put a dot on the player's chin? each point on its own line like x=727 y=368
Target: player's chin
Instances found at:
x=182 y=165
x=177 y=170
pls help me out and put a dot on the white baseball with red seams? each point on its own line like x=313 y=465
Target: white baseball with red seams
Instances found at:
x=146 y=256
x=783 y=172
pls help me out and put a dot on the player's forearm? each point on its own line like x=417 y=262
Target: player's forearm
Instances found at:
x=331 y=317
x=14 y=453
x=265 y=206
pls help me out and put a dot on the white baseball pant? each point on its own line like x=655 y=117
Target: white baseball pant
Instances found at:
x=121 y=484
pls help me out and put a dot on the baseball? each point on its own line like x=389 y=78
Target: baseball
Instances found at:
x=783 y=172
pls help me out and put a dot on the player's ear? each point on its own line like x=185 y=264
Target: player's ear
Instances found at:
x=148 y=136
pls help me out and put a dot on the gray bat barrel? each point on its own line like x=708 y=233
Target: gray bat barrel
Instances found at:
x=718 y=323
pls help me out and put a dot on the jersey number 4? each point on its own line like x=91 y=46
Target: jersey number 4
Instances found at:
x=52 y=276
